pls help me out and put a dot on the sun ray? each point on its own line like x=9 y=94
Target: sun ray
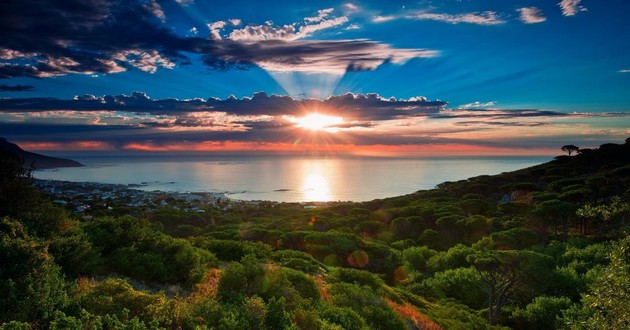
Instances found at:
x=318 y=122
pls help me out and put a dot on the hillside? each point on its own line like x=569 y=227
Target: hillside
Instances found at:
x=34 y=160
x=539 y=248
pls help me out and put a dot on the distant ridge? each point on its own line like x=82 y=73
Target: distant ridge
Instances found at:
x=36 y=161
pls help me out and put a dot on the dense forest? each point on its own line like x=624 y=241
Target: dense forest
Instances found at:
x=544 y=247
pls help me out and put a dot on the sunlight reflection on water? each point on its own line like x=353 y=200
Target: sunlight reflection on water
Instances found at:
x=287 y=179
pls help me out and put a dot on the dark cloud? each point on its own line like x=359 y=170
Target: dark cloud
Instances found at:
x=16 y=88
x=363 y=107
x=61 y=37
x=478 y=123
x=260 y=118
x=50 y=38
x=500 y=113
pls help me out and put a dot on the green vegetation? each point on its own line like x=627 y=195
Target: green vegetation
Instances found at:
x=540 y=248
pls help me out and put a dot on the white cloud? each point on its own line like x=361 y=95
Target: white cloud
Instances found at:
x=353 y=27
x=480 y=18
x=185 y=2
x=288 y=32
x=264 y=32
x=381 y=19
x=307 y=30
x=571 y=7
x=531 y=15
x=350 y=7
x=215 y=29
x=321 y=15
x=235 y=21
x=147 y=61
x=283 y=48
x=624 y=71
x=477 y=104
x=194 y=31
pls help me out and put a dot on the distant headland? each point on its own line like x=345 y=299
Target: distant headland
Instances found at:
x=36 y=161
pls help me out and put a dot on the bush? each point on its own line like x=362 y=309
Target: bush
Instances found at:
x=228 y=250
x=542 y=313
x=416 y=258
x=359 y=277
x=463 y=284
x=370 y=307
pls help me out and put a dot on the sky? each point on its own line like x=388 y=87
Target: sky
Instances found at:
x=367 y=78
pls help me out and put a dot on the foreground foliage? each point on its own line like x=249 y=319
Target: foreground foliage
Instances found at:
x=540 y=248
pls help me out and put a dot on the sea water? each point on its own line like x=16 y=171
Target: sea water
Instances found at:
x=286 y=179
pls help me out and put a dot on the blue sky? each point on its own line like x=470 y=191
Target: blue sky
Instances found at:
x=570 y=57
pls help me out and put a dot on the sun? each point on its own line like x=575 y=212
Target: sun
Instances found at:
x=317 y=122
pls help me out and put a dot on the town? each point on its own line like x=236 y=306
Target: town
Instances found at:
x=88 y=199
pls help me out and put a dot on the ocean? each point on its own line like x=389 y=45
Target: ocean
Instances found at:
x=286 y=179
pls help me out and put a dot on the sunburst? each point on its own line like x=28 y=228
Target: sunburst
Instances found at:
x=318 y=122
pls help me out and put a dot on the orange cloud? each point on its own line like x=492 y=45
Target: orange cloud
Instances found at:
x=67 y=146
x=340 y=149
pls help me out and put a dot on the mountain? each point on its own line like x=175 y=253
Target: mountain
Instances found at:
x=36 y=161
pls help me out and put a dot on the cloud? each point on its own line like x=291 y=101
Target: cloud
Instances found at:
x=156 y=10
x=351 y=7
x=477 y=104
x=478 y=123
x=381 y=19
x=137 y=119
x=311 y=56
x=80 y=36
x=501 y=113
x=108 y=36
x=252 y=33
x=479 y=18
x=371 y=123
x=215 y=29
x=363 y=107
x=321 y=15
x=147 y=61
x=16 y=88
x=531 y=15
x=571 y=7
x=624 y=71
x=288 y=32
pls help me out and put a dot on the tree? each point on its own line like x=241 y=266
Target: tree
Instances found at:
x=569 y=148
x=31 y=284
x=16 y=193
x=556 y=212
x=506 y=272
x=607 y=304
x=463 y=284
x=542 y=313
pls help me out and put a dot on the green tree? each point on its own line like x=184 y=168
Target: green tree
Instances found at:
x=556 y=213
x=31 y=284
x=607 y=304
x=463 y=284
x=505 y=272
x=542 y=313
